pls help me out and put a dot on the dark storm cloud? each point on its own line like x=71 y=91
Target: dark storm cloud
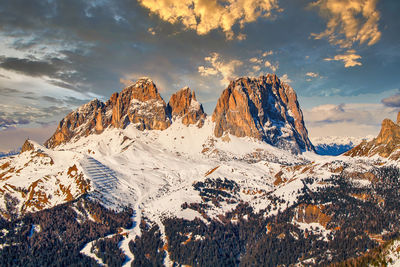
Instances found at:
x=30 y=67
x=392 y=101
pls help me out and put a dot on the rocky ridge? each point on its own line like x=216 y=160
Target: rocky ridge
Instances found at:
x=386 y=144
x=263 y=108
x=139 y=104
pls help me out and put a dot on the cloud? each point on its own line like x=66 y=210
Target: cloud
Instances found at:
x=52 y=100
x=285 y=78
x=261 y=61
x=204 y=16
x=126 y=82
x=28 y=66
x=8 y=122
x=353 y=119
x=255 y=60
x=13 y=115
x=350 y=59
x=54 y=70
x=151 y=31
x=218 y=67
x=268 y=53
x=349 y=21
x=273 y=66
x=9 y=91
x=312 y=74
x=392 y=101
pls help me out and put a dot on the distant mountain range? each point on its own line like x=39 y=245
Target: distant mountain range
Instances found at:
x=9 y=153
x=336 y=145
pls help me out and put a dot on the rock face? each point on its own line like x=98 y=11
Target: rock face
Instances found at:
x=139 y=104
x=183 y=105
x=385 y=144
x=27 y=146
x=398 y=118
x=80 y=122
x=265 y=109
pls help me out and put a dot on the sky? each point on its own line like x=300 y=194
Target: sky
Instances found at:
x=342 y=57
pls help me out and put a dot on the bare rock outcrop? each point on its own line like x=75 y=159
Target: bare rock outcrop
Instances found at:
x=183 y=105
x=263 y=108
x=27 y=146
x=386 y=144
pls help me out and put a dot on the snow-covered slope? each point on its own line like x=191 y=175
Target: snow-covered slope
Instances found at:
x=40 y=178
x=161 y=173
x=153 y=171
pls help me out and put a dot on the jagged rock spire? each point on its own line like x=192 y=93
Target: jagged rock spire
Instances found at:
x=184 y=105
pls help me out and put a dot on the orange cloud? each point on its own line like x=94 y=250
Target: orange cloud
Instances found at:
x=204 y=16
x=349 y=21
x=350 y=59
x=218 y=67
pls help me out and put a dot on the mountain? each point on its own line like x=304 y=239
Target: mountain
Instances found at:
x=134 y=181
x=336 y=145
x=263 y=108
x=386 y=144
x=139 y=104
x=9 y=153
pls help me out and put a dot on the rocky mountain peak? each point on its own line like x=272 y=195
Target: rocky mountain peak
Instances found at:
x=263 y=108
x=139 y=104
x=386 y=144
x=143 y=90
x=398 y=118
x=184 y=105
x=390 y=132
x=27 y=146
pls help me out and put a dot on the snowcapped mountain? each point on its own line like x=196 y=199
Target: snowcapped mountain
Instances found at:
x=263 y=108
x=336 y=145
x=225 y=189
